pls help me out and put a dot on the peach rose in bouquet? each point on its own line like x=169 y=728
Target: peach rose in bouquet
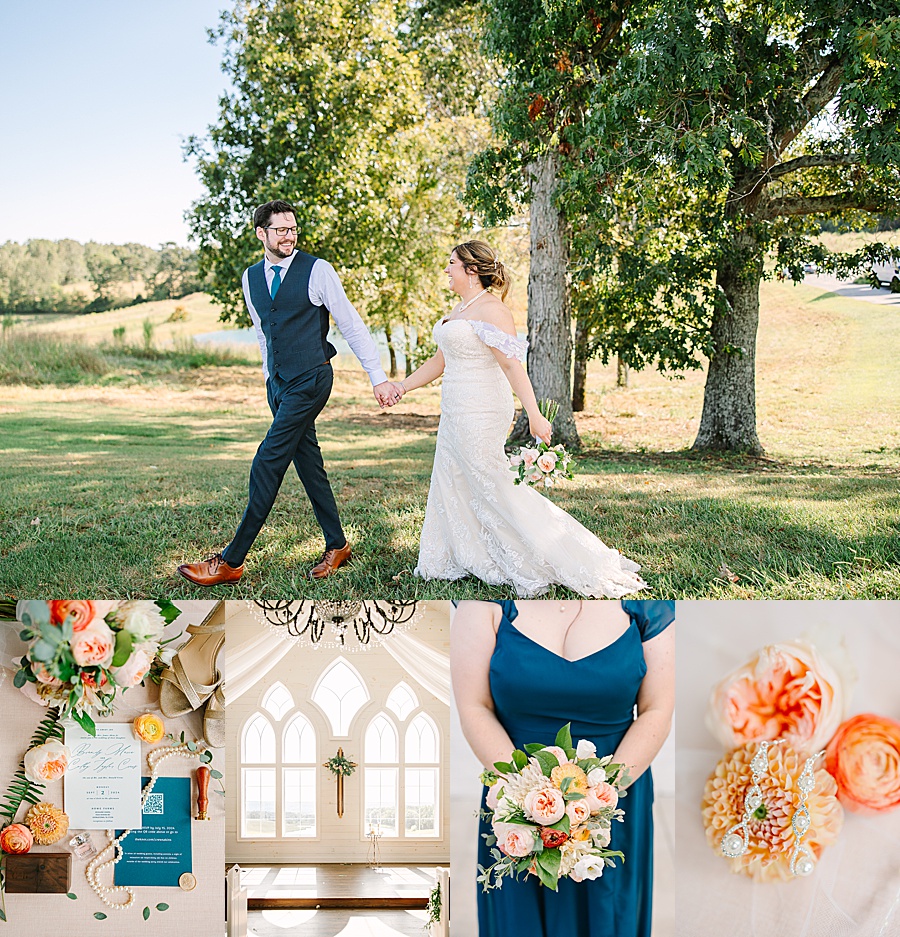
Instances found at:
x=785 y=691
x=47 y=762
x=864 y=759
x=768 y=857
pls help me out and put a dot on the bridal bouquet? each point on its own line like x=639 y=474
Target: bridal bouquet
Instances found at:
x=541 y=466
x=550 y=810
x=81 y=653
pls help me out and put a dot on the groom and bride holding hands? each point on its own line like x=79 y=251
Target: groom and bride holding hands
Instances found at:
x=477 y=521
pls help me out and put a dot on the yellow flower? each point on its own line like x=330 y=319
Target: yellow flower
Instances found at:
x=579 y=781
x=768 y=857
x=47 y=823
x=149 y=728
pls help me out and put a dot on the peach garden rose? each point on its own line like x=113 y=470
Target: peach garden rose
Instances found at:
x=545 y=806
x=786 y=691
x=94 y=646
x=47 y=762
x=514 y=839
x=864 y=759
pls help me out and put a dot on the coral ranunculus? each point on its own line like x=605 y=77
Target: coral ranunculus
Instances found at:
x=864 y=758
x=787 y=691
x=552 y=839
x=16 y=839
x=771 y=837
x=81 y=612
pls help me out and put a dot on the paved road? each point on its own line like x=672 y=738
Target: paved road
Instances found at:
x=882 y=297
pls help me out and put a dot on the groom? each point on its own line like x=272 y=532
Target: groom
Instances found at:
x=289 y=295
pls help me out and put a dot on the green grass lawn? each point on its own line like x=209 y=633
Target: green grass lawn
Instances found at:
x=106 y=487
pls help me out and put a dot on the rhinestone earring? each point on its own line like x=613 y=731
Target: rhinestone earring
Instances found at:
x=801 y=859
x=736 y=843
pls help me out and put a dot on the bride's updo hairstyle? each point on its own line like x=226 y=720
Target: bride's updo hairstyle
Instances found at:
x=480 y=258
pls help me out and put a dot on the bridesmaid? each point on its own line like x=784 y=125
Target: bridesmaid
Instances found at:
x=520 y=673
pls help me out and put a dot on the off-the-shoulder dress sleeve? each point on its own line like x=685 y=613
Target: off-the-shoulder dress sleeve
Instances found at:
x=510 y=345
x=507 y=606
x=652 y=618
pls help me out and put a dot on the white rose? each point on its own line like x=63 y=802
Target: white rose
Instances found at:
x=515 y=460
x=586 y=749
x=595 y=775
x=142 y=620
x=590 y=867
x=600 y=838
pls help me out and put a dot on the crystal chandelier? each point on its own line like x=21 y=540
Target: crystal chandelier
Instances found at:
x=348 y=625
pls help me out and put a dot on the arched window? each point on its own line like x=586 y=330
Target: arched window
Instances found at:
x=278 y=701
x=340 y=693
x=402 y=701
x=421 y=753
x=258 y=781
x=381 y=741
x=298 y=759
x=381 y=783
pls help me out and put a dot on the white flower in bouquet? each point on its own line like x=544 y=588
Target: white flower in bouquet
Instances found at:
x=601 y=837
x=595 y=776
x=529 y=456
x=142 y=620
x=530 y=779
x=590 y=867
x=47 y=762
x=516 y=459
x=587 y=749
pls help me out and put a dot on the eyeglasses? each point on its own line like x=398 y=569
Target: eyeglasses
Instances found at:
x=281 y=232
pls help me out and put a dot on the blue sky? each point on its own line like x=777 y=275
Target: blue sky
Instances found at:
x=96 y=97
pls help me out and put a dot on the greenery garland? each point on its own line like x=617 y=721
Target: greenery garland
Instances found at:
x=340 y=764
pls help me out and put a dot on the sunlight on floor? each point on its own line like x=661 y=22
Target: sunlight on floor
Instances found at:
x=288 y=918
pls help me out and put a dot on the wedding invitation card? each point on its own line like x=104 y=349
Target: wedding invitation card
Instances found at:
x=159 y=853
x=103 y=781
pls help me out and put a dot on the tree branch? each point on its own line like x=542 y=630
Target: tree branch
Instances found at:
x=816 y=204
x=813 y=101
x=812 y=160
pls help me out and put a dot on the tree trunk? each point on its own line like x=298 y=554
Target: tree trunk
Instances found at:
x=411 y=339
x=579 y=381
x=391 y=350
x=728 y=422
x=549 y=325
x=621 y=372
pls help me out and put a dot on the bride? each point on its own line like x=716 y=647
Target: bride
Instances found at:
x=477 y=521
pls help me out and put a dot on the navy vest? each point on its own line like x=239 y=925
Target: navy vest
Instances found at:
x=296 y=331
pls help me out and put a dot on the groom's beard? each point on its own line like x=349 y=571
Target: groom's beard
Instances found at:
x=282 y=249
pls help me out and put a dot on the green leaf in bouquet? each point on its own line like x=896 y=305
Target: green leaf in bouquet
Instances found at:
x=564 y=737
x=573 y=795
x=504 y=767
x=547 y=864
x=68 y=628
x=566 y=784
x=85 y=721
x=533 y=747
x=206 y=758
x=35 y=613
x=124 y=647
x=588 y=764
x=547 y=760
x=564 y=824
x=520 y=759
x=19 y=680
x=50 y=633
x=26 y=634
x=168 y=611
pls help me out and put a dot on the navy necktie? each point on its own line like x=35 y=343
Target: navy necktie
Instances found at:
x=276 y=281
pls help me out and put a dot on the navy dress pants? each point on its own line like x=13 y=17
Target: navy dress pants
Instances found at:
x=291 y=438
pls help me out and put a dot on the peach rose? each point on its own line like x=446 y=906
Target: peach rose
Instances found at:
x=514 y=839
x=47 y=762
x=133 y=671
x=545 y=806
x=547 y=462
x=94 y=646
x=605 y=794
x=787 y=691
x=578 y=811
x=864 y=759
x=42 y=675
x=529 y=456
x=16 y=839
x=493 y=795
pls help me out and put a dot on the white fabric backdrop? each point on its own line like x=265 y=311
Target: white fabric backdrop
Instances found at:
x=855 y=890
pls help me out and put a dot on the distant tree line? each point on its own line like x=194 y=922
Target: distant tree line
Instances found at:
x=69 y=277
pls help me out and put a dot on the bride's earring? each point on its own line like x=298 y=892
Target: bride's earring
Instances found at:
x=471 y=283
x=736 y=843
x=801 y=859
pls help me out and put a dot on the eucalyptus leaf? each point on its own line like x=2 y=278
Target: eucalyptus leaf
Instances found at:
x=42 y=651
x=146 y=913
x=162 y=906
x=100 y=915
x=74 y=897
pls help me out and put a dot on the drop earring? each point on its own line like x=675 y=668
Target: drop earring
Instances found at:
x=736 y=843
x=801 y=859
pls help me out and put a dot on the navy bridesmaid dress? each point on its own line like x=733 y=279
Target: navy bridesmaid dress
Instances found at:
x=535 y=693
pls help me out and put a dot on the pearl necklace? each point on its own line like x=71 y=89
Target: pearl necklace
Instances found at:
x=472 y=300
x=93 y=869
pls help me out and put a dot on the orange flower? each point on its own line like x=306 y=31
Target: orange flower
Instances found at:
x=864 y=757
x=149 y=728
x=787 y=691
x=771 y=837
x=47 y=823
x=82 y=613
x=16 y=839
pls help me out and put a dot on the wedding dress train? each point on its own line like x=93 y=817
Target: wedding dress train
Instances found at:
x=478 y=522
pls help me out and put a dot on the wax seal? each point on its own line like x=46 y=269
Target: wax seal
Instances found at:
x=187 y=882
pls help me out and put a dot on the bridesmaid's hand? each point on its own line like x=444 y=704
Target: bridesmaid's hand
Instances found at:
x=540 y=427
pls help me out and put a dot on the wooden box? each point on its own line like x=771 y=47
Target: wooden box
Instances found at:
x=48 y=873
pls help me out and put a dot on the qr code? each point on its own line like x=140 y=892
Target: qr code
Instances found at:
x=153 y=803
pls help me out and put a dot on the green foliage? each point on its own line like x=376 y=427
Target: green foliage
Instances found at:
x=346 y=111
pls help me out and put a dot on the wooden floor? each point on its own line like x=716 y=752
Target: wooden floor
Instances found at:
x=346 y=887
x=336 y=923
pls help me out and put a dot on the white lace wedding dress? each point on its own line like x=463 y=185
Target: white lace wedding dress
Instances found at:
x=478 y=522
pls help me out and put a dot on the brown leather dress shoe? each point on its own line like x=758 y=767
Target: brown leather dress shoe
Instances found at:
x=330 y=562
x=211 y=572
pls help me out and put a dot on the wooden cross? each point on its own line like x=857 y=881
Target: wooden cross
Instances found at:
x=340 y=783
